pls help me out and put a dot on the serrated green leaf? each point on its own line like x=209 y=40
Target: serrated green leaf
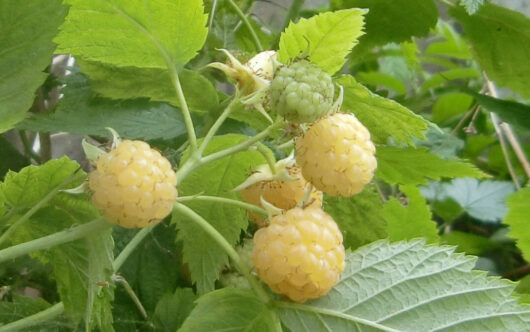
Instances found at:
x=383 y=117
x=518 y=218
x=496 y=35
x=215 y=179
x=484 y=200
x=172 y=309
x=417 y=165
x=26 y=52
x=144 y=34
x=327 y=38
x=32 y=183
x=468 y=243
x=410 y=221
x=471 y=6
x=359 y=217
x=230 y=309
x=407 y=286
x=450 y=105
x=82 y=113
x=153 y=83
x=394 y=21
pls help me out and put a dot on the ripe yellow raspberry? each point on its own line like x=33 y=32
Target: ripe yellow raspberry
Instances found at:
x=133 y=185
x=336 y=155
x=282 y=194
x=300 y=254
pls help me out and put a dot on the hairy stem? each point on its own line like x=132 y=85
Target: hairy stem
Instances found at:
x=131 y=293
x=245 y=20
x=55 y=239
x=129 y=248
x=224 y=200
x=29 y=321
x=215 y=127
x=268 y=157
x=192 y=137
x=229 y=250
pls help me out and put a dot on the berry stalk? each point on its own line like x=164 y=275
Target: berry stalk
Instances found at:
x=224 y=200
x=29 y=321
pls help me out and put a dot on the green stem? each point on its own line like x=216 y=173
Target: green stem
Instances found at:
x=27 y=322
x=131 y=293
x=224 y=200
x=35 y=208
x=49 y=241
x=229 y=250
x=129 y=248
x=215 y=127
x=247 y=24
x=268 y=157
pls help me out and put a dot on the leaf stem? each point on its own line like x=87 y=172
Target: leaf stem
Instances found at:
x=58 y=238
x=268 y=157
x=223 y=200
x=129 y=248
x=217 y=124
x=26 y=322
x=243 y=17
x=131 y=293
x=229 y=250
x=192 y=137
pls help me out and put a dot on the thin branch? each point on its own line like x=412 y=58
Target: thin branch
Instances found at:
x=29 y=321
x=245 y=20
x=223 y=200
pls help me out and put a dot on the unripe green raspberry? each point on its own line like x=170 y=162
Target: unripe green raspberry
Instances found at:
x=282 y=194
x=300 y=254
x=336 y=155
x=133 y=185
x=301 y=92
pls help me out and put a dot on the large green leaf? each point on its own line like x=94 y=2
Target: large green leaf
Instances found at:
x=82 y=113
x=359 y=217
x=410 y=221
x=145 y=34
x=153 y=83
x=518 y=218
x=217 y=178
x=26 y=49
x=469 y=243
x=383 y=117
x=407 y=286
x=450 y=106
x=394 y=21
x=172 y=309
x=418 y=165
x=327 y=38
x=499 y=37
x=230 y=309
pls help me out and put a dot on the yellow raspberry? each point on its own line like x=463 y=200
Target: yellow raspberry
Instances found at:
x=336 y=155
x=300 y=254
x=282 y=194
x=133 y=185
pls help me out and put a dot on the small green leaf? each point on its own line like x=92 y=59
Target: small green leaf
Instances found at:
x=449 y=106
x=408 y=286
x=359 y=217
x=417 y=165
x=497 y=35
x=523 y=289
x=26 y=52
x=447 y=76
x=383 y=117
x=518 y=218
x=217 y=178
x=230 y=309
x=453 y=44
x=379 y=79
x=328 y=38
x=172 y=309
x=410 y=221
x=472 y=6
x=144 y=34
x=468 y=243
x=82 y=113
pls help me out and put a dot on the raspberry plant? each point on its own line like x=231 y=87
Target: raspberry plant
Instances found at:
x=380 y=154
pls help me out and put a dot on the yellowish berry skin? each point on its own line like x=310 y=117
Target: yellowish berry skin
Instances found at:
x=300 y=254
x=133 y=185
x=282 y=194
x=336 y=155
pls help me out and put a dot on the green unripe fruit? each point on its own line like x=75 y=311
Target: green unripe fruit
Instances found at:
x=301 y=92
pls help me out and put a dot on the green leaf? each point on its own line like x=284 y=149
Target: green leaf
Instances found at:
x=472 y=6
x=497 y=35
x=484 y=200
x=394 y=21
x=523 y=289
x=155 y=84
x=11 y=158
x=172 y=309
x=381 y=79
x=518 y=219
x=449 y=106
x=407 y=286
x=32 y=183
x=81 y=113
x=230 y=309
x=145 y=34
x=359 y=217
x=217 y=178
x=26 y=50
x=452 y=45
x=442 y=143
x=410 y=221
x=327 y=38
x=23 y=306
x=468 y=243
x=447 y=76
x=417 y=165
x=383 y=117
